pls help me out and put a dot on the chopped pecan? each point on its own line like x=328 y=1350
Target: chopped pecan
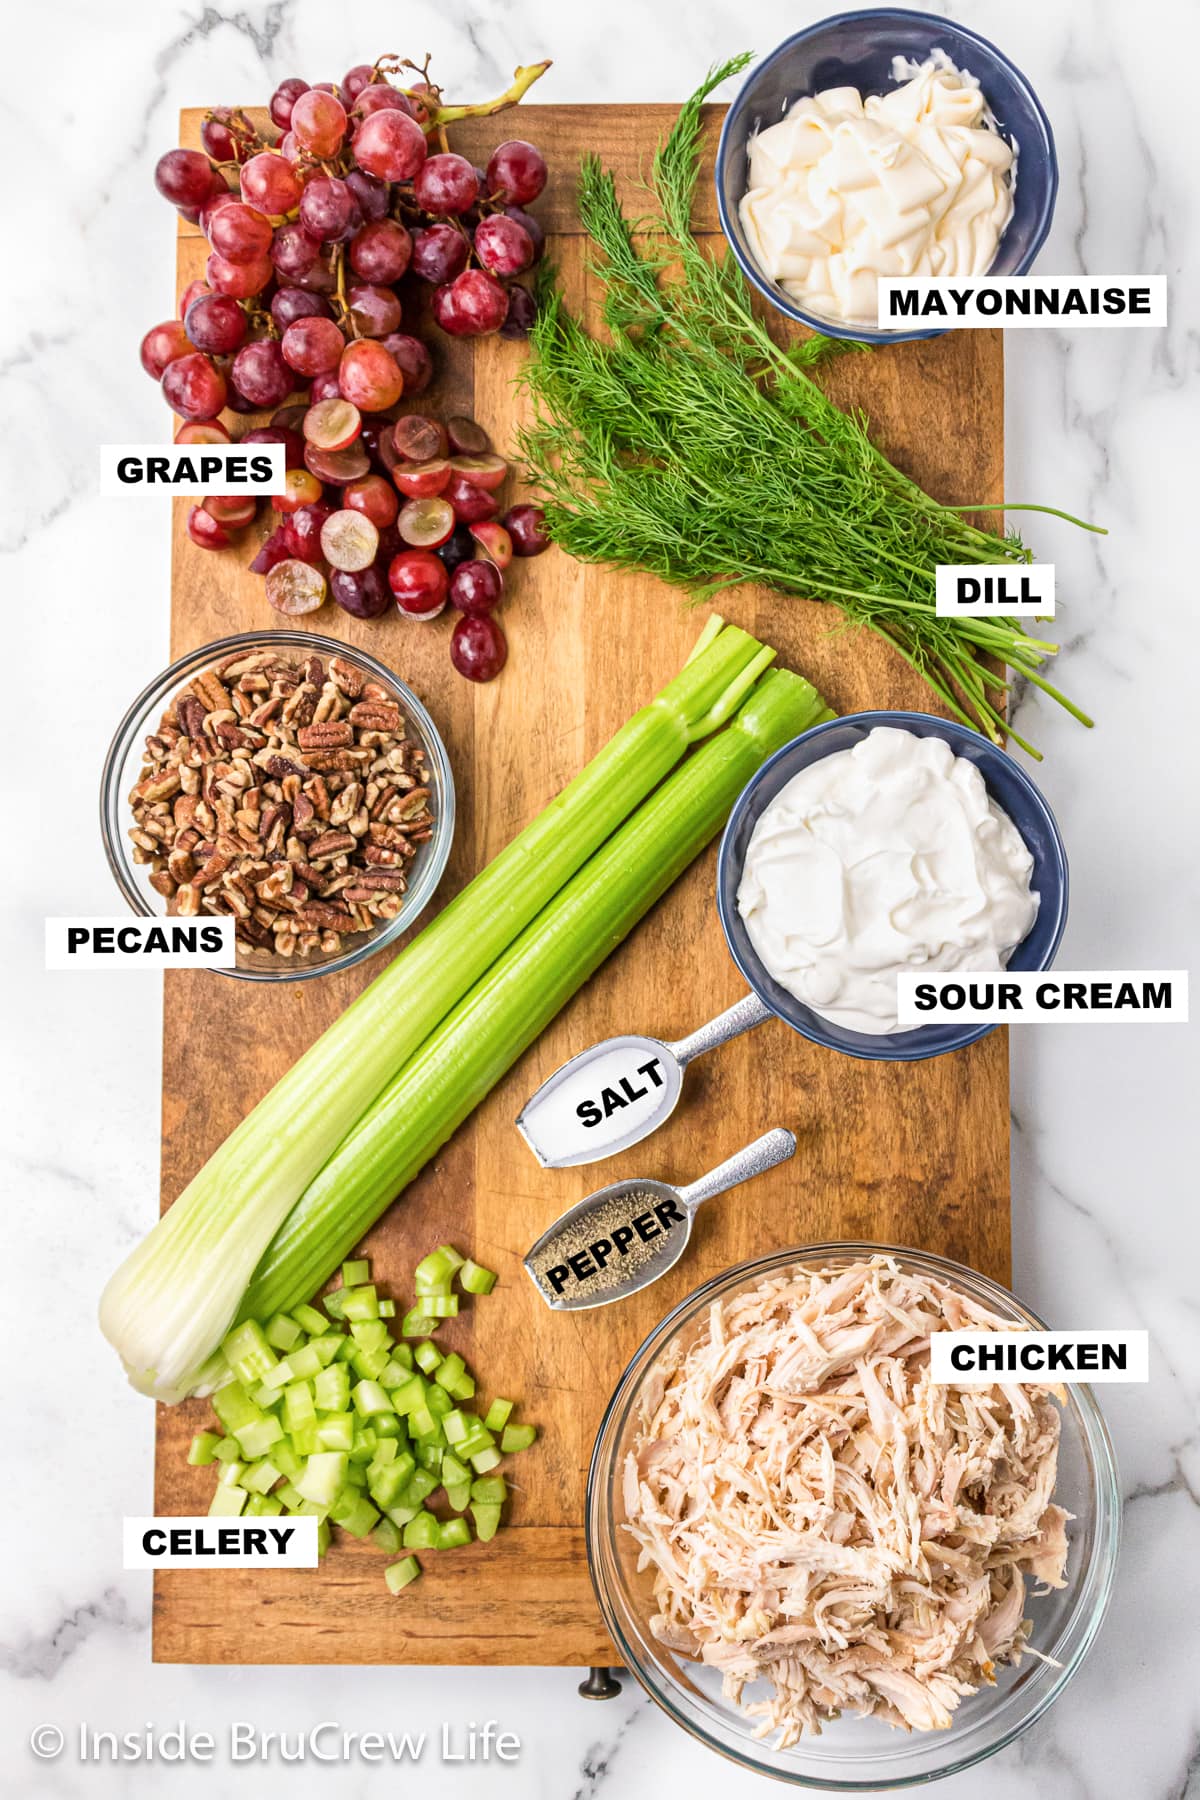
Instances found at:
x=331 y=734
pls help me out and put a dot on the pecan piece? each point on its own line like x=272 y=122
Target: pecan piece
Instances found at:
x=331 y=734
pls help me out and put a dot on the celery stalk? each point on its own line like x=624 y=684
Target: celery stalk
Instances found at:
x=171 y=1302
x=505 y=1011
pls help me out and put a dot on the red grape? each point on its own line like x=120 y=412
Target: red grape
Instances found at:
x=202 y=431
x=354 y=81
x=516 y=172
x=494 y=541
x=301 y=488
x=467 y=437
x=474 y=305
x=295 y=587
x=240 y=233
x=320 y=279
x=374 y=310
x=216 y=138
x=216 y=323
x=274 y=549
x=261 y=375
x=291 y=303
x=389 y=144
x=184 y=177
x=502 y=245
x=476 y=586
x=192 y=291
x=412 y=358
x=312 y=345
x=381 y=96
x=332 y=424
x=370 y=376
x=293 y=443
x=419 y=439
x=206 y=531
x=445 y=184
x=372 y=196
x=164 y=344
x=193 y=387
x=284 y=99
x=419 y=481
x=294 y=250
x=439 y=253
x=325 y=386
x=425 y=523
x=363 y=593
x=419 y=581
x=327 y=208
x=470 y=503
x=522 y=311
x=380 y=252
x=478 y=648
x=526 y=525
x=487 y=470
x=302 y=532
x=458 y=548
x=239 y=279
x=319 y=122
x=270 y=183
x=231 y=510
x=374 y=497
x=531 y=225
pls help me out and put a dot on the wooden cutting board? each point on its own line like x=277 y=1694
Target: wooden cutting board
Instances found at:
x=912 y=1154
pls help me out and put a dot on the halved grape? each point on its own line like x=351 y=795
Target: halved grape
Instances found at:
x=364 y=594
x=486 y=470
x=419 y=582
x=303 y=531
x=231 y=510
x=206 y=531
x=337 y=467
x=374 y=497
x=349 y=540
x=295 y=587
x=421 y=481
x=301 y=488
x=202 y=431
x=369 y=375
x=332 y=424
x=467 y=438
x=476 y=586
x=273 y=549
x=526 y=525
x=470 y=503
x=419 y=439
x=425 y=523
x=478 y=647
x=493 y=541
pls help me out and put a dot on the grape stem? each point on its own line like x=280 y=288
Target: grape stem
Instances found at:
x=523 y=80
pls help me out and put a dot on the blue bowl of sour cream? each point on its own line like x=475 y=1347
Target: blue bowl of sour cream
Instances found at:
x=859 y=50
x=1008 y=788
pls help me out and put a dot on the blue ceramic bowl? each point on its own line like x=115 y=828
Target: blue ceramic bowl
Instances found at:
x=856 y=50
x=1009 y=787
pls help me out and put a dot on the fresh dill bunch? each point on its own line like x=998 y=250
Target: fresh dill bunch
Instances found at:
x=688 y=444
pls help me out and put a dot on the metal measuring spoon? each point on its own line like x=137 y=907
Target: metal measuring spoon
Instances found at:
x=612 y=1096
x=626 y=1235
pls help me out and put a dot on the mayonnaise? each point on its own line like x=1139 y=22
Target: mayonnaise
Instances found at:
x=846 y=189
x=881 y=858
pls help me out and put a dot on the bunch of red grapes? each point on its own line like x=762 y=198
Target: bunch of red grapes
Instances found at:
x=325 y=247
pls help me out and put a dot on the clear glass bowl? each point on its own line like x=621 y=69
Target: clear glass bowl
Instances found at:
x=857 y=1755
x=122 y=767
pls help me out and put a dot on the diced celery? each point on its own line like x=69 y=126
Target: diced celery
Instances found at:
x=323 y=1476
x=400 y=1515
x=283 y=1333
x=202 y=1449
x=387 y=1425
x=433 y=1274
x=371 y=1334
x=226 y=1450
x=360 y=1303
x=291 y=1497
x=227 y=1502
x=398 y=1575
x=331 y=1388
x=464 y=1388
x=289 y=1463
x=476 y=1279
x=497 y=1415
x=418 y=1322
x=409 y=1395
x=421 y=1532
x=457 y=1427
x=334 y=1301
x=387 y=1309
x=299 y=1408
x=354 y=1513
x=387 y=1484
x=264 y=1506
x=335 y=1431
x=324 y=1535
x=438 y=1402
x=247 y=1351
x=356 y=1274
x=387 y=1536
x=517 y=1437
x=422 y=1423
x=306 y=1440
x=452 y=1533
x=449 y=1370
x=393 y=1373
x=485 y=1460
x=487 y=1520
x=440 y=1306
x=427 y=1356
x=458 y=1493
x=273 y=1383
x=386 y=1451
x=261 y=1477
x=326 y=1348
x=430 y=1457
x=454 y=1257
x=231 y=1473
x=257 y=1436
x=370 y=1398
x=490 y=1490
x=369 y=1364
x=233 y=1406
x=310 y=1320
x=304 y=1363
x=420 y=1485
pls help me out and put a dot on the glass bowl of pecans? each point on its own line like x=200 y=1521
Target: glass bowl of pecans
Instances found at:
x=287 y=781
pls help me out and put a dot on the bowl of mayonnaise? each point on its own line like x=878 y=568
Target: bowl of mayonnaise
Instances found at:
x=883 y=143
x=884 y=843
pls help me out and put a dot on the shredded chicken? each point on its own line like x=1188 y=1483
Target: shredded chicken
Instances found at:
x=818 y=1512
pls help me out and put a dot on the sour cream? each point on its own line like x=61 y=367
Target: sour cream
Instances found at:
x=845 y=189
x=886 y=857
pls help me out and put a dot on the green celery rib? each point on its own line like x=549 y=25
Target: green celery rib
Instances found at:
x=506 y=1010
x=170 y=1303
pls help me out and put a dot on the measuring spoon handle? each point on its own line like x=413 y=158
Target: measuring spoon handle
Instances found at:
x=742 y=1017
x=773 y=1147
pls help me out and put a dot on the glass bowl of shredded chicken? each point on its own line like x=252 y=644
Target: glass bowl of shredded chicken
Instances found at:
x=825 y=1565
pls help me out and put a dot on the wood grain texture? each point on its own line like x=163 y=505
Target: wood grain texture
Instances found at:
x=906 y=1154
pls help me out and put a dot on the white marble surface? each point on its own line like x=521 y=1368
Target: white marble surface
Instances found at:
x=1104 y=1142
